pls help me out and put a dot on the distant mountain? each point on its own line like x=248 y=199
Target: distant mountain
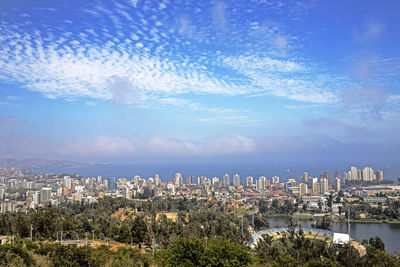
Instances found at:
x=42 y=163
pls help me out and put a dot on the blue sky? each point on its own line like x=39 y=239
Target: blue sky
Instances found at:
x=161 y=81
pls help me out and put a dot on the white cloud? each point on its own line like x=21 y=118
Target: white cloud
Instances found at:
x=13 y=97
x=280 y=41
x=265 y=64
x=139 y=45
x=90 y=104
x=238 y=120
x=370 y=32
x=394 y=98
x=186 y=26
x=134 y=3
x=81 y=69
x=283 y=78
x=147 y=55
x=219 y=14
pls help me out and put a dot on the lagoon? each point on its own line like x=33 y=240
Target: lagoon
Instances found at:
x=389 y=233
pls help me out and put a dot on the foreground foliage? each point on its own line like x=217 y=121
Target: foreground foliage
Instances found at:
x=48 y=254
x=197 y=252
x=204 y=233
x=200 y=252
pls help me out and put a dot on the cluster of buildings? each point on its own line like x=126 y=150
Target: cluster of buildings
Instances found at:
x=367 y=174
x=22 y=190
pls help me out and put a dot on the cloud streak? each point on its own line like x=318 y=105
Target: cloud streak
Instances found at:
x=134 y=59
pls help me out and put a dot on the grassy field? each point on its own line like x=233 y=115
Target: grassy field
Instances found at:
x=170 y=215
x=393 y=222
x=302 y=216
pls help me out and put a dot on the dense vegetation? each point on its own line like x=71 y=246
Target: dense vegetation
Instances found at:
x=194 y=219
x=46 y=254
x=292 y=251
x=203 y=233
x=376 y=212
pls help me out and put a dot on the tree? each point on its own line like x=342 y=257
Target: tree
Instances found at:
x=285 y=261
x=196 y=252
x=139 y=230
x=260 y=222
x=382 y=258
x=340 y=210
x=377 y=243
x=324 y=223
x=184 y=252
x=275 y=203
x=263 y=206
x=348 y=256
x=15 y=255
x=45 y=222
x=125 y=234
x=220 y=252
x=6 y=222
x=330 y=200
x=22 y=226
x=264 y=248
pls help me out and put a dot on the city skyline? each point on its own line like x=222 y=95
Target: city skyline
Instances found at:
x=187 y=81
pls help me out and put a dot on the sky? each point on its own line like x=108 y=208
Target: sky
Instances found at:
x=145 y=81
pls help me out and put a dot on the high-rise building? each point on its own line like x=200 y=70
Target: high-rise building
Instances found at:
x=359 y=175
x=347 y=176
x=45 y=195
x=368 y=174
x=2 y=192
x=226 y=180
x=215 y=181
x=275 y=179
x=260 y=184
x=267 y=183
x=36 y=197
x=67 y=182
x=379 y=175
x=323 y=185
x=304 y=178
x=236 y=179
x=178 y=181
x=249 y=181
x=354 y=174
x=136 y=180
x=105 y=182
x=291 y=183
x=337 y=183
x=112 y=185
x=202 y=180
x=315 y=189
x=327 y=176
x=311 y=182
x=302 y=189
x=157 y=180
x=189 y=180
x=337 y=175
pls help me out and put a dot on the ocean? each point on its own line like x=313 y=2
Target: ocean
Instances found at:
x=167 y=171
